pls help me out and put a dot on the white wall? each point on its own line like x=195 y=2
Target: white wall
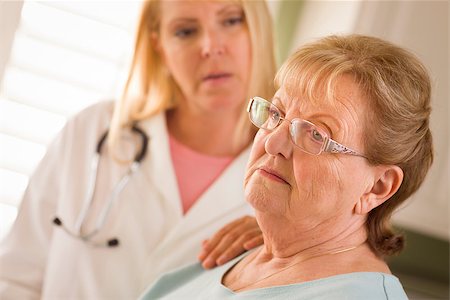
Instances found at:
x=320 y=18
x=422 y=27
x=9 y=20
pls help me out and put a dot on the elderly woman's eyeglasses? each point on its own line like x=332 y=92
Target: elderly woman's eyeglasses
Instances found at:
x=305 y=135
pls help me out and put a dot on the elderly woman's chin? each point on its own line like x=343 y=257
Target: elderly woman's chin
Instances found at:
x=266 y=195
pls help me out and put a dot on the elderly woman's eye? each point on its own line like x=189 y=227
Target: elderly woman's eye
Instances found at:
x=316 y=135
x=274 y=114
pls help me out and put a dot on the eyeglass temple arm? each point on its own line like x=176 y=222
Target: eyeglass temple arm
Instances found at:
x=249 y=104
x=334 y=147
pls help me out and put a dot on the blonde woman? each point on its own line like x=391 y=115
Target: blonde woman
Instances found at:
x=168 y=161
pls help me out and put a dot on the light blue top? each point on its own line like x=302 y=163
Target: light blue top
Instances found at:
x=193 y=282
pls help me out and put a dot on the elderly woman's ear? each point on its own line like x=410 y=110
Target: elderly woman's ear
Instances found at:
x=387 y=181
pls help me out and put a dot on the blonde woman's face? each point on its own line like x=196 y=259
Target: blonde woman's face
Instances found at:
x=207 y=50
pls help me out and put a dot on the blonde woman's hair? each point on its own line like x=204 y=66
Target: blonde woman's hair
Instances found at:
x=150 y=89
x=397 y=90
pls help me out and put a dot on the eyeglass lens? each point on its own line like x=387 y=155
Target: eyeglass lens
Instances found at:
x=304 y=134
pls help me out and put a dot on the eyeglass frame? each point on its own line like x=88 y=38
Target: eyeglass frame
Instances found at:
x=328 y=145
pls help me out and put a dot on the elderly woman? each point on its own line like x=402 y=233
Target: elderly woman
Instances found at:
x=342 y=144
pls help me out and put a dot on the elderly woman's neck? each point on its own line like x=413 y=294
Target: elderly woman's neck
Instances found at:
x=287 y=240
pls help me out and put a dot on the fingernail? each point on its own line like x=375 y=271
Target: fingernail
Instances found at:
x=221 y=260
x=209 y=263
x=202 y=255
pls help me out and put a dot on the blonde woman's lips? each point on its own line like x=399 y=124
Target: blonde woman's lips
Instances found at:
x=216 y=77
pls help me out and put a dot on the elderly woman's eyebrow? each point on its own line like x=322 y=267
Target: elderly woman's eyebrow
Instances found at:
x=329 y=121
x=276 y=100
x=330 y=118
x=279 y=104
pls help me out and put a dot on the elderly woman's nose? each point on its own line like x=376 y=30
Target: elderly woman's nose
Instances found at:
x=212 y=44
x=278 y=142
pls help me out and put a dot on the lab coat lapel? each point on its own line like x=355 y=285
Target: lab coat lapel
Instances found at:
x=222 y=197
x=158 y=165
x=220 y=204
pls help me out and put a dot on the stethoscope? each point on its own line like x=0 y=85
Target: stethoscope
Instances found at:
x=87 y=237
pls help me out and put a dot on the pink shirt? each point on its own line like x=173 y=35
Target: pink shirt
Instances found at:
x=194 y=171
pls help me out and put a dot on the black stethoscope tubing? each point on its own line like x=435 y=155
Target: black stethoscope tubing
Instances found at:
x=112 y=242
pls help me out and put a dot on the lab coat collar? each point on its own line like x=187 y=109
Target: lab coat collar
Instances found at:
x=222 y=203
x=222 y=198
x=158 y=162
x=162 y=176
x=226 y=193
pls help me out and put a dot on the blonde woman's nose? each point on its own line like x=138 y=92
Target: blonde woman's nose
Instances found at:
x=278 y=141
x=212 y=44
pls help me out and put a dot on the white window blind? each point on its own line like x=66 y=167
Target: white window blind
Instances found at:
x=65 y=56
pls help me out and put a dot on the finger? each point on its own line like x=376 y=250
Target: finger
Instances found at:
x=217 y=237
x=234 y=226
x=238 y=247
x=226 y=251
x=204 y=251
x=226 y=237
x=232 y=252
x=254 y=242
x=226 y=242
x=209 y=245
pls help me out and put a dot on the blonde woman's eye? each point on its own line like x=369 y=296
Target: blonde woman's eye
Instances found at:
x=234 y=21
x=185 y=32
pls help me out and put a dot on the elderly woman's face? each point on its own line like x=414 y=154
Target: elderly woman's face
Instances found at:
x=283 y=180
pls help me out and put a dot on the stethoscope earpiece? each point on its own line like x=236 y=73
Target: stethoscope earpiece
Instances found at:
x=113 y=242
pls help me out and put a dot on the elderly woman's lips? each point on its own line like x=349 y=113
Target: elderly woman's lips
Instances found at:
x=272 y=175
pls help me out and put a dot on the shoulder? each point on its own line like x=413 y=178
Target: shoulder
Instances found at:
x=172 y=281
x=192 y=282
x=102 y=110
x=83 y=129
x=92 y=119
x=351 y=286
x=358 y=285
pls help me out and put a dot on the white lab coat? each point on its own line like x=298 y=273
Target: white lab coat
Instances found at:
x=40 y=261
